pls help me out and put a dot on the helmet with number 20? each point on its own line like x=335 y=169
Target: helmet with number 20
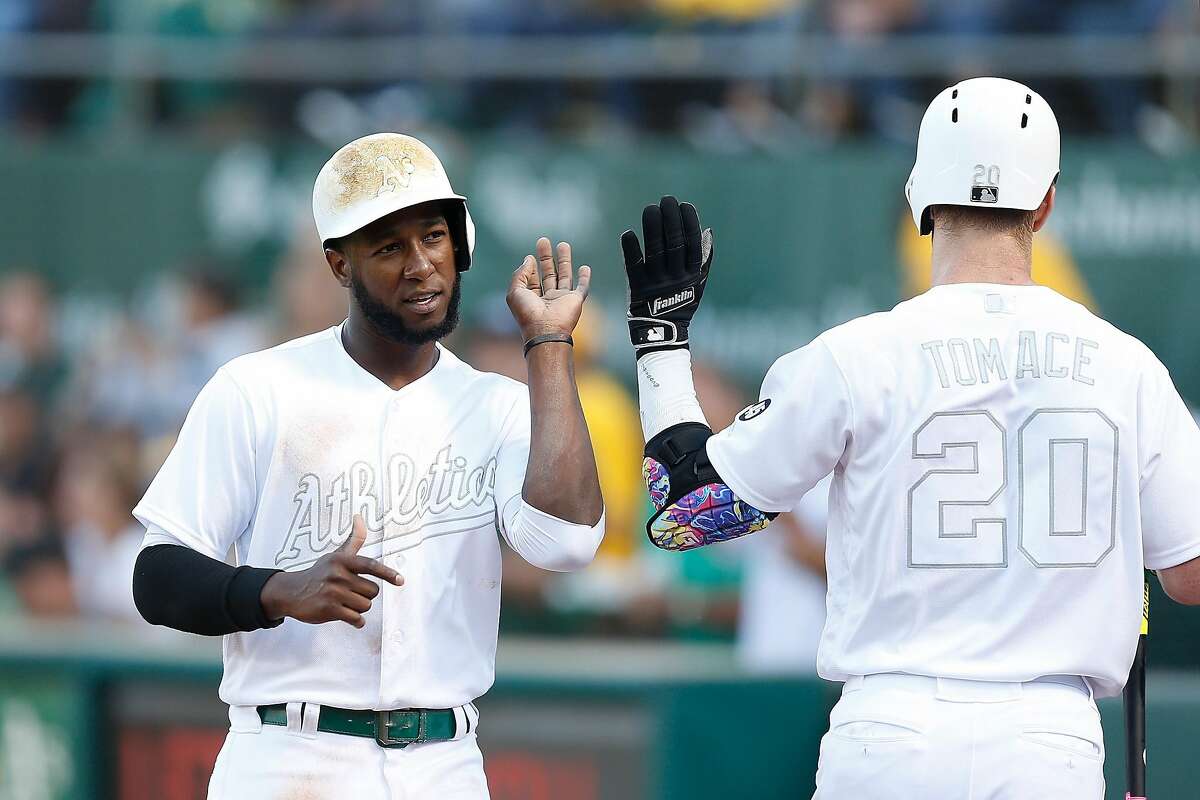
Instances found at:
x=987 y=143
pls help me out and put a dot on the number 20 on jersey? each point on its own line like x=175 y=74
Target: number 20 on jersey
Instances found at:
x=1066 y=471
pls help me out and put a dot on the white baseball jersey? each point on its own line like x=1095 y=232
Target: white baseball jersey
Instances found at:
x=1005 y=463
x=279 y=452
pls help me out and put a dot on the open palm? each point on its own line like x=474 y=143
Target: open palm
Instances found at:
x=544 y=296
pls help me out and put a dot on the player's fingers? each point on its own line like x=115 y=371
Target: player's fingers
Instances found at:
x=675 y=255
x=525 y=275
x=358 y=535
x=353 y=601
x=691 y=236
x=347 y=615
x=362 y=565
x=562 y=265
x=652 y=230
x=631 y=251
x=545 y=259
x=360 y=585
x=584 y=284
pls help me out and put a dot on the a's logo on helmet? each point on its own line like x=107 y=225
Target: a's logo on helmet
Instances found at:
x=395 y=173
x=750 y=412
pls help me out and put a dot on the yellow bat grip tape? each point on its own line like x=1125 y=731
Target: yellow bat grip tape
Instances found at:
x=1146 y=609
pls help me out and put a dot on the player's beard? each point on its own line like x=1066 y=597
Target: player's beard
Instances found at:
x=391 y=325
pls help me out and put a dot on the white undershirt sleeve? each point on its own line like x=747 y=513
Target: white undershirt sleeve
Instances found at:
x=549 y=542
x=666 y=392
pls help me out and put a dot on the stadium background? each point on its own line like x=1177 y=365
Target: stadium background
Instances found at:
x=156 y=170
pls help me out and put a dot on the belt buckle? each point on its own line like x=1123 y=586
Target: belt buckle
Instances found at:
x=383 y=727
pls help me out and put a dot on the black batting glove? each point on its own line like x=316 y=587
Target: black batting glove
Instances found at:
x=666 y=284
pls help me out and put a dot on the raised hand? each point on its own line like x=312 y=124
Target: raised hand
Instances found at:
x=331 y=589
x=544 y=296
x=667 y=282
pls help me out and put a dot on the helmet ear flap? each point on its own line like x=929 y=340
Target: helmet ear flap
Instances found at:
x=455 y=212
x=927 y=221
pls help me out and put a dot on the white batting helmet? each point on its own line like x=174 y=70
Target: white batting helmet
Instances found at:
x=984 y=142
x=378 y=174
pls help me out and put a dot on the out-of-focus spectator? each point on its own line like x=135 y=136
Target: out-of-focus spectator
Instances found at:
x=95 y=490
x=307 y=298
x=25 y=458
x=97 y=483
x=126 y=379
x=783 y=590
x=146 y=373
x=215 y=329
x=23 y=518
x=29 y=352
x=39 y=578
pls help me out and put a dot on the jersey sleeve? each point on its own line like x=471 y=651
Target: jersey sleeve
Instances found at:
x=779 y=448
x=512 y=458
x=1170 y=480
x=205 y=493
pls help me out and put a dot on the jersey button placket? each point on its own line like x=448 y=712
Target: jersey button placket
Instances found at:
x=394 y=655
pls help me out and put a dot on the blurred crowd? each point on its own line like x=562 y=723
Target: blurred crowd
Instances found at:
x=721 y=114
x=92 y=397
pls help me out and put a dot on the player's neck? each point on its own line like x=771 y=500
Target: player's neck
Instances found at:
x=980 y=258
x=393 y=363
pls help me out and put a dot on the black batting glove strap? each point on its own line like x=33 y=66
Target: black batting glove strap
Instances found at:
x=667 y=282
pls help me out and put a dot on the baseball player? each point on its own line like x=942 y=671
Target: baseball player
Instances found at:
x=1004 y=463
x=359 y=477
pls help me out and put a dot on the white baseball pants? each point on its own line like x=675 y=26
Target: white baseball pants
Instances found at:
x=269 y=762
x=906 y=737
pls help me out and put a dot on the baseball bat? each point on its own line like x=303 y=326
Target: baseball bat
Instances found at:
x=1135 y=711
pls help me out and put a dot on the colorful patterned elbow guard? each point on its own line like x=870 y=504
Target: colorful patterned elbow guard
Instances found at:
x=698 y=509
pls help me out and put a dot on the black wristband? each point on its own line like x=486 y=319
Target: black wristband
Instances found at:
x=565 y=338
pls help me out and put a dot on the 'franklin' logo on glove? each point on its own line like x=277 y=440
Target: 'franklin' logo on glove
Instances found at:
x=680 y=298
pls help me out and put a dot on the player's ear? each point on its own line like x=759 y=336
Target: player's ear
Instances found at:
x=338 y=264
x=1043 y=211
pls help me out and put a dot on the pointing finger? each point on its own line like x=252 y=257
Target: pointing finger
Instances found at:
x=369 y=566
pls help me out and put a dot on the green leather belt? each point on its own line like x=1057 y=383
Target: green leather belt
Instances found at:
x=387 y=728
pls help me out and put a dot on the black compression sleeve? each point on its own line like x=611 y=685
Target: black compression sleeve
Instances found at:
x=182 y=589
